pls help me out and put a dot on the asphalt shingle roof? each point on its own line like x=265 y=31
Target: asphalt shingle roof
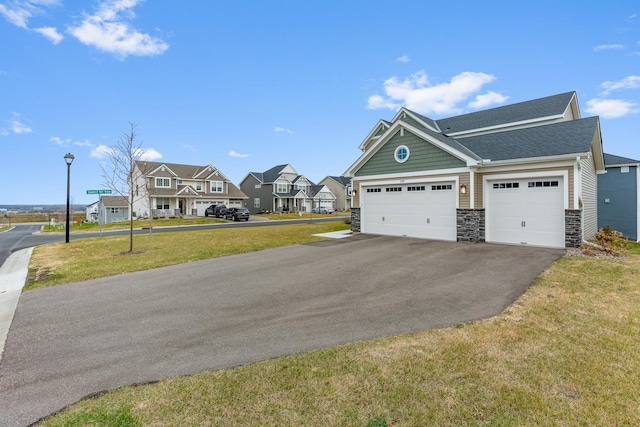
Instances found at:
x=611 y=160
x=527 y=110
x=569 y=137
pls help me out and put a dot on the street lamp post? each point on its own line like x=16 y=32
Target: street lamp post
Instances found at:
x=68 y=158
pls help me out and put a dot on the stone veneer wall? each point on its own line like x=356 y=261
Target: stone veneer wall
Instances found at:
x=470 y=225
x=572 y=228
x=355 y=219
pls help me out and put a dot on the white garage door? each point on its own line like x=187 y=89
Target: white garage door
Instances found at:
x=425 y=210
x=526 y=211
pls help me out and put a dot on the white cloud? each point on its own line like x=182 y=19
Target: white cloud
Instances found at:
x=487 y=99
x=85 y=143
x=403 y=58
x=237 y=155
x=101 y=151
x=608 y=47
x=611 y=108
x=17 y=125
x=51 y=33
x=630 y=82
x=150 y=154
x=19 y=12
x=279 y=129
x=418 y=94
x=59 y=141
x=108 y=31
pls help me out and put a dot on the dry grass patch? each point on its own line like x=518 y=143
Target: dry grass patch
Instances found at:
x=566 y=353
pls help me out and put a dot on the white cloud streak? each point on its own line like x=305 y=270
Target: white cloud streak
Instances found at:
x=608 y=47
x=19 y=12
x=418 y=94
x=279 y=129
x=238 y=155
x=403 y=58
x=611 y=108
x=51 y=33
x=630 y=82
x=149 y=154
x=101 y=151
x=16 y=125
x=108 y=30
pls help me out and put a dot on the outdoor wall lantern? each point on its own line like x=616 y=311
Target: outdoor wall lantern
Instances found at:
x=68 y=159
x=463 y=189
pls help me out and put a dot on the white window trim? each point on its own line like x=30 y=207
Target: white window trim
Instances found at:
x=395 y=153
x=215 y=190
x=160 y=182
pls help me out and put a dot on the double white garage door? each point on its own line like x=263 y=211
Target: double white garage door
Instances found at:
x=425 y=210
x=518 y=211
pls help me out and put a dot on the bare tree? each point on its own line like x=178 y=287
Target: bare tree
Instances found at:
x=121 y=174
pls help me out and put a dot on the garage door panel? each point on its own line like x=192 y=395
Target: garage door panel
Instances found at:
x=419 y=212
x=530 y=212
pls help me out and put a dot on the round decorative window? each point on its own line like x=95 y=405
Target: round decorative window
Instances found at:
x=401 y=154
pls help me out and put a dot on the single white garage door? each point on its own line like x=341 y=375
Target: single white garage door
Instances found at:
x=424 y=210
x=526 y=211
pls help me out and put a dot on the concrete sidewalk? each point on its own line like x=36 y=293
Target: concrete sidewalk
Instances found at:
x=13 y=274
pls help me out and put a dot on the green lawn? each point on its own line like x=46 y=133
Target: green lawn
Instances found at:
x=566 y=353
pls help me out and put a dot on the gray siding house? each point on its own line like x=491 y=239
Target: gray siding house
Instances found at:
x=340 y=186
x=618 y=195
x=282 y=189
x=522 y=174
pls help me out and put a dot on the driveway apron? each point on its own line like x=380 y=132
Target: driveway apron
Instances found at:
x=71 y=341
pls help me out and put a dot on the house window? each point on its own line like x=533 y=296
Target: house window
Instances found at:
x=499 y=185
x=416 y=188
x=393 y=189
x=256 y=202
x=542 y=184
x=282 y=188
x=163 y=182
x=115 y=210
x=302 y=187
x=258 y=186
x=374 y=190
x=624 y=169
x=440 y=187
x=179 y=182
x=198 y=185
x=162 y=203
x=216 y=186
x=401 y=154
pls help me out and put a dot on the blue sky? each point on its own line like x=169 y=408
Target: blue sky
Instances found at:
x=245 y=86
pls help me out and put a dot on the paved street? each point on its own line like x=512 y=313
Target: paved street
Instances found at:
x=70 y=341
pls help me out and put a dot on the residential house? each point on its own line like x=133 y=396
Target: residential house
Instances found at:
x=619 y=195
x=92 y=211
x=282 y=189
x=523 y=174
x=341 y=187
x=114 y=209
x=170 y=189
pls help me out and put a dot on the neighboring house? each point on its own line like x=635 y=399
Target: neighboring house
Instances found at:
x=282 y=189
x=341 y=187
x=619 y=195
x=169 y=189
x=521 y=174
x=114 y=209
x=92 y=211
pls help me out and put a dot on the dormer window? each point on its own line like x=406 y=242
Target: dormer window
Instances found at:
x=401 y=154
x=163 y=182
x=282 y=188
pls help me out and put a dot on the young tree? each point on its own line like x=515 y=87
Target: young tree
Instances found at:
x=121 y=174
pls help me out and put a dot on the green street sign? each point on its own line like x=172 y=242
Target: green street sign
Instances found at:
x=98 y=191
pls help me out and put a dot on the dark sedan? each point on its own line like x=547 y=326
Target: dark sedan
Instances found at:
x=237 y=214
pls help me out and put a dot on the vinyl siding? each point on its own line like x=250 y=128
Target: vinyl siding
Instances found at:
x=620 y=191
x=423 y=157
x=589 y=193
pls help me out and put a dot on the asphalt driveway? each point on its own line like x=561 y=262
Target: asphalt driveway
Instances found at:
x=70 y=341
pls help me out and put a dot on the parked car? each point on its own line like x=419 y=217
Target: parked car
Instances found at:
x=237 y=214
x=215 y=210
x=323 y=209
